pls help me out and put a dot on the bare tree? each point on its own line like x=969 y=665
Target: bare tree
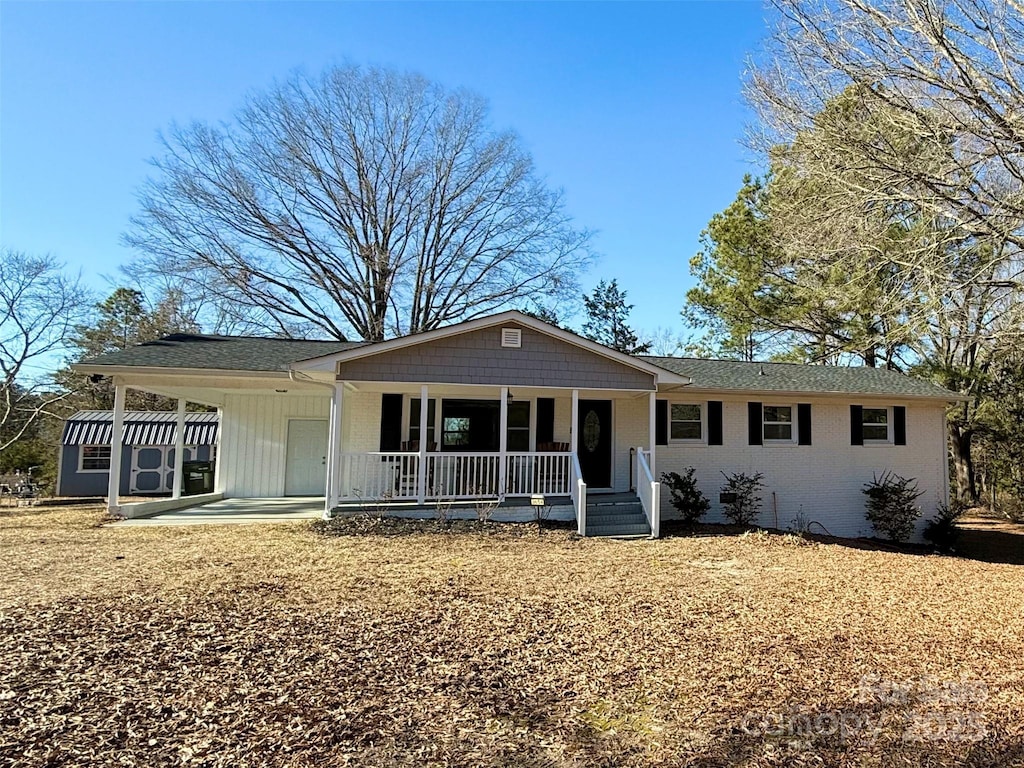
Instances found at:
x=39 y=306
x=361 y=202
x=950 y=74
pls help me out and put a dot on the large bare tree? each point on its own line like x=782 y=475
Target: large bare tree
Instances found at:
x=39 y=306
x=950 y=74
x=362 y=201
x=905 y=119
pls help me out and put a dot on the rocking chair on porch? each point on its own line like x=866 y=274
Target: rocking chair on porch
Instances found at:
x=405 y=471
x=550 y=473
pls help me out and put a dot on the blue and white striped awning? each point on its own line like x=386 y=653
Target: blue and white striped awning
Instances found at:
x=140 y=428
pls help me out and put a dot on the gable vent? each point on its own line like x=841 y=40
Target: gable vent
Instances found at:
x=511 y=337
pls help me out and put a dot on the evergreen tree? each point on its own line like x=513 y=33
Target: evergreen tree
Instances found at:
x=607 y=313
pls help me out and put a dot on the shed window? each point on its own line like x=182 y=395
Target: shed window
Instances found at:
x=875 y=424
x=778 y=423
x=686 y=422
x=94 y=458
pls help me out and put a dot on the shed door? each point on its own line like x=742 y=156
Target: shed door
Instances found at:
x=306 y=464
x=152 y=468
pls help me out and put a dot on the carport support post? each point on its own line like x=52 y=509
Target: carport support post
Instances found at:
x=179 y=449
x=421 y=474
x=332 y=497
x=502 y=441
x=653 y=430
x=116 y=428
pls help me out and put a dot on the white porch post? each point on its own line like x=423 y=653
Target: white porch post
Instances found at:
x=502 y=441
x=179 y=449
x=653 y=430
x=421 y=474
x=332 y=495
x=116 y=428
x=574 y=426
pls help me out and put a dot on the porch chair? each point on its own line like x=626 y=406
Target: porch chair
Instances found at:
x=405 y=479
x=551 y=474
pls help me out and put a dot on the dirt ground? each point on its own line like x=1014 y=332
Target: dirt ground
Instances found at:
x=272 y=645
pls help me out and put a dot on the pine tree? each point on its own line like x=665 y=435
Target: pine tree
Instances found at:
x=607 y=313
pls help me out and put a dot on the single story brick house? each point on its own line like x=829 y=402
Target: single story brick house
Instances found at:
x=148 y=441
x=517 y=408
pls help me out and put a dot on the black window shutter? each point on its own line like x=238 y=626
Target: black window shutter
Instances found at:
x=714 y=422
x=755 y=424
x=390 y=422
x=856 y=425
x=545 y=419
x=661 y=422
x=803 y=423
x=899 y=425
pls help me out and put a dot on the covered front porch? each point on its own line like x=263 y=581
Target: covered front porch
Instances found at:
x=502 y=445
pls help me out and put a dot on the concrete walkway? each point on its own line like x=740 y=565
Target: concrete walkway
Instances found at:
x=238 y=511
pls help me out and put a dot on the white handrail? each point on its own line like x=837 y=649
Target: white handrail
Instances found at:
x=578 y=490
x=649 y=492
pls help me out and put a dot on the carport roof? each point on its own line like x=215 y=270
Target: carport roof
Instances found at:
x=224 y=353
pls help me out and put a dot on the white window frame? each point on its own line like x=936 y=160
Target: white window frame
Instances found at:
x=81 y=458
x=702 y=407
x=793 y=430
x=888 y=424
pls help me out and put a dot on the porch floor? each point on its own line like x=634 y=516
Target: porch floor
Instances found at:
x=238 y=512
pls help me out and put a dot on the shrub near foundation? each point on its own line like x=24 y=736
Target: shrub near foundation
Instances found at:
x=686 y=496
x=892 y=506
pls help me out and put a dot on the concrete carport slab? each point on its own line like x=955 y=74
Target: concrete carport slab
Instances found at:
x=238 y=511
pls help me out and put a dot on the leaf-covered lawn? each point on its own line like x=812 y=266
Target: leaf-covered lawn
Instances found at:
x=274 y=646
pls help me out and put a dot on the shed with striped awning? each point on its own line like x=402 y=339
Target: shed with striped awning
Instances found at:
x=148 y=458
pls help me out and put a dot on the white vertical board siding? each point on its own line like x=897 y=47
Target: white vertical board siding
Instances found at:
x=254 y=437
x=822 y=481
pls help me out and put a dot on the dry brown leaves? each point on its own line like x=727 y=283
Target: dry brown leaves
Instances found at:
x=271 y=646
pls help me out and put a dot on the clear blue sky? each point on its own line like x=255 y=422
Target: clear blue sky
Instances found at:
x=634 y=109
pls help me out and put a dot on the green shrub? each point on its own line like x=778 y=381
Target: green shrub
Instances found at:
x=892 y=506
x=745 y=491
x=941 y=530
x=686 y=496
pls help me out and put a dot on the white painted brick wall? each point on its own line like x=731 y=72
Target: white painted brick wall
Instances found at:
x=822 y=481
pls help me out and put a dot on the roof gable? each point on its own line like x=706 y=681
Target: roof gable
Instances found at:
x=329 y=361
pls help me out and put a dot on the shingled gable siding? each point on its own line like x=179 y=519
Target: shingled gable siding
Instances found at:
x=477 y=357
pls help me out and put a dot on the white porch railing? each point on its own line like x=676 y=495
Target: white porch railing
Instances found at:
x=578 y=490
x=381 y=476
x=649 y=491
x=378 y=476
x=546 y=473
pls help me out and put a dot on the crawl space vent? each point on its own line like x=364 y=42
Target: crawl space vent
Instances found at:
x=511 y=337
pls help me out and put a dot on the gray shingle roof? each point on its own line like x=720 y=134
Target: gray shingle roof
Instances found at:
x=253 y=353
x=793 y=377
x=225 y=353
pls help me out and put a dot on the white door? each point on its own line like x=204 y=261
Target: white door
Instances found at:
x=306 y=464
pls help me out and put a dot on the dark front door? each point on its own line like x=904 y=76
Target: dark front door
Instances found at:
x=594 y=445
